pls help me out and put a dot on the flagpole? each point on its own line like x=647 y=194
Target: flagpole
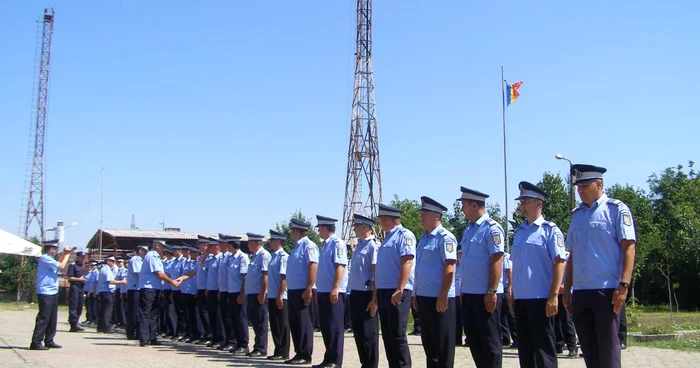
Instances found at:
x=505 y=162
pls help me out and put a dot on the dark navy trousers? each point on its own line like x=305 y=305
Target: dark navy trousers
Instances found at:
x=365 y=329
x=257 y=313
x=239 y=321
x=597 y=326
x=537 y=344
x=394 y=319
x=332 y=320
x=301 y=324
x=437 y=332
x=483 y=330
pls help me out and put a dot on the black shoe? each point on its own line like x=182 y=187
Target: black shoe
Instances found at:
x=210 y=344
x=53 y=345
x=256 y=354
x=110 y=331
x=201 y=342
x=223 y=346
x=322 y=365
x=143 y=343
x=228 y=347
x=277 y=357
x=623 y=346
x=37 y=347
x=560 y=350
x=76 y=329
x=317 y=329
x=297 y=361
x=190 y=340
x=573 y=353
x=348 y=330
x=239 y=351
x=415 y=333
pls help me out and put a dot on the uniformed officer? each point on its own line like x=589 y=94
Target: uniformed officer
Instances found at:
x=180 y=254
x=255 y=290
x=481 y=271
x=602 y=240
x=150 y=284
x=302 y=266
x=76 y=277
x=394 y=284
x=539 y=259
x=47 y=293
x=363 y=297
x=121 y=306
x=188 y=293
x=436 y=256
x=277 y=297
x=459 y=318
x=132 y=292
x=106 y=284
x=564 y=329
x=91 y=295
x=167 y=311
x=204 y=327
x=238 y=312
x=212 y=266
x=228 y=342
x=333 y=258
x=508 y=332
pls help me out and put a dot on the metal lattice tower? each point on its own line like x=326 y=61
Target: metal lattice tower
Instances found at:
x=363 y=186
x=35 y=202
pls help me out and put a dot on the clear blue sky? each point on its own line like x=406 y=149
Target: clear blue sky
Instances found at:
x=229 y=115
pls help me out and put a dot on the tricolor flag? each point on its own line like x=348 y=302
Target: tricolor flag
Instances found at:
x=512 y=92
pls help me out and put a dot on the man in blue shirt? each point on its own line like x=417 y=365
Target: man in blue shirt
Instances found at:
x=436 y=256
x=132 y=292
x=228 y=342
x=333 y=258
x=106 y=284
x=75 y=277
x=255 y=290
x=237 y=268
x=150 y=285
x=277 y=297
x=180 y=255
x=90 y=293
x=508 y=332
x=167 y=310
x=394 y=281
x=601 y=240
x=363 y=298
x=302 y=265
x=47 y=292
x=212 y=265
x=121 y=302
x=203 y=321
x=481 y=269
x=188 y=290
x=539 y=259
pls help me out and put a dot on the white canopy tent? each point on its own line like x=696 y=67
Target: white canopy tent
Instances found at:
x=13 y=244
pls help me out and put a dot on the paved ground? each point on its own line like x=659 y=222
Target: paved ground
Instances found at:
x=96 y=350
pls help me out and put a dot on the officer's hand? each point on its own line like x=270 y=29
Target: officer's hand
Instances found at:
x=306 y=296
x=561 y=289
x=280 y=303
x=334 y=295
x=414 y=304
x=566 y=300
x=261 y=298
x=371 y=307
x=490 y=302
x=240 y=299
x=441 y=305
x=619 y=298
x=396 y=297
x=552 y=307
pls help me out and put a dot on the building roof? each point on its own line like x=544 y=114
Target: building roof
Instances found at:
x=111 y=237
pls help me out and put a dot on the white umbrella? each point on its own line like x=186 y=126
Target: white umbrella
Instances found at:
x=13 y=244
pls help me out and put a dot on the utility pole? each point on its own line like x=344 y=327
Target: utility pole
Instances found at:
x=363 y=185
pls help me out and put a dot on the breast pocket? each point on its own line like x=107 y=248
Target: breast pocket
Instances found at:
x=536 y=241
x=475 y=244
x=599 y=231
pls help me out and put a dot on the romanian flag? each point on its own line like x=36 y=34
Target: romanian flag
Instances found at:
x=512 y=92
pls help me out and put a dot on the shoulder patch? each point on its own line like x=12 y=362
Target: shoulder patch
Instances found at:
x=449 y=246
x=550 y=223
x=627 y=218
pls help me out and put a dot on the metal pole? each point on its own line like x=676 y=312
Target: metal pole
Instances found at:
x=505 y=166
x=102 y=191
x=572 y=192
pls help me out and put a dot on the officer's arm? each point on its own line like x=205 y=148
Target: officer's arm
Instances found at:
x=63 y=260
x=263 y=284
x=339 y=273
x=406 y=267
x=448 y=276
x=495 y=270
x=557 y=275
x=509 y=276
x=313 y=267
x=188 y=275
x=628 y=249
x=283 y=286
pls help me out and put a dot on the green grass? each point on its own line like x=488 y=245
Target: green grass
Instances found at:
x=11 y=306
x=688 y=342
x=648 y=322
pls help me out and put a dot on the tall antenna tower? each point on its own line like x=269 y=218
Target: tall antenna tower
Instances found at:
x=35 y=202
x=133 y=222
x=363 y=186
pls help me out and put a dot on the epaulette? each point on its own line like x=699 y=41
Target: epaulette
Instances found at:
x=492 y=222
x=575 y=209
x=616 y=202
x=550 y=223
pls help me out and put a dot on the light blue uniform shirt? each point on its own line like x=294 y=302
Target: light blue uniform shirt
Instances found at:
x=458 y=278
x=134 y=269
x=223 y=272
x=305 y=251
x=399 y=242
x=121 y=275
x=47 y=275
x=333 y=253
x=167 y=269
x=275 y=270
x=594 y=240
x=106 y=275
x=433 y=251
x=148 y=278
x=507 y=265
x=345 y=280
x=212 y=265
x=189 y=286
x=480 y=240
x=363 y=258
x=202 y=273
x=237 y=267
x=258 y=267
x=176 y=270
x=536 y=247
x=90 y=281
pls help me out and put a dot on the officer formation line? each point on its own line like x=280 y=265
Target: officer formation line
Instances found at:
x=210 y=293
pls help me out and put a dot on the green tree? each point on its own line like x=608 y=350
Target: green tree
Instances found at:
x=284 y=228
x=10 y=266
x=410 y=217
x=557 y=207
x=675 y=194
